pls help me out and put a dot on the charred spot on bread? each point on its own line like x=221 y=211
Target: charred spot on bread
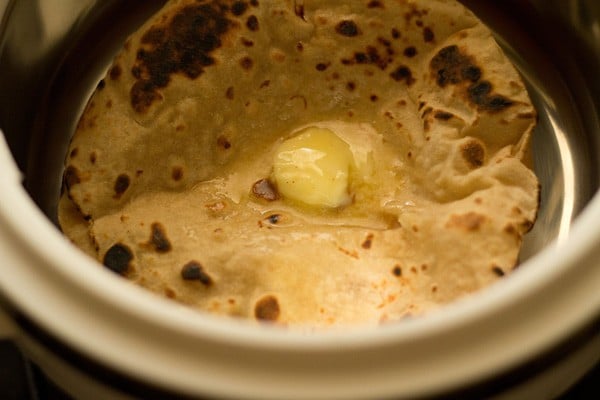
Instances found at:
x=194 y=271
x=347 y=28
x=121 y=185
x=158 y=238
x=118 y=258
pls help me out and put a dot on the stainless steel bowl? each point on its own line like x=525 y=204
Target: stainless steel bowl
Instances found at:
x=533 y=334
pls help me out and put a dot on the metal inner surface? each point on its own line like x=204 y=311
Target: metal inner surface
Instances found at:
x=53 y=53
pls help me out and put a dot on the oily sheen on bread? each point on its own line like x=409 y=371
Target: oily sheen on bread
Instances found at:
x=168 y=180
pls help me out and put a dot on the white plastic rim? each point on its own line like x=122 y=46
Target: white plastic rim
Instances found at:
x=128 y=329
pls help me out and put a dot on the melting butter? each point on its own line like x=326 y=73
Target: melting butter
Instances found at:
x=314 y=168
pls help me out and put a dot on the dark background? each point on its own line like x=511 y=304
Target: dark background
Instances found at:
x=21 y=380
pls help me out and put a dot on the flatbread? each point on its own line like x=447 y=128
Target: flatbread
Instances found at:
x=166 y=174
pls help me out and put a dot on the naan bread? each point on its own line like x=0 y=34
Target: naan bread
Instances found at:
x=167 y=178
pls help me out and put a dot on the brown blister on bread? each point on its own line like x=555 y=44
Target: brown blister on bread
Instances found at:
x=469 y=222
x=473 y=153
x=267 y=309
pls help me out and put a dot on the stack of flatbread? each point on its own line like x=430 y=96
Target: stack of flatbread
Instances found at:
x=167 y=179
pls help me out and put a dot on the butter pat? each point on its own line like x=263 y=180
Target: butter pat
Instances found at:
x=314 y=168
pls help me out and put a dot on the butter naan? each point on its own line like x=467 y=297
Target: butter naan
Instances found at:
x=168 y=176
